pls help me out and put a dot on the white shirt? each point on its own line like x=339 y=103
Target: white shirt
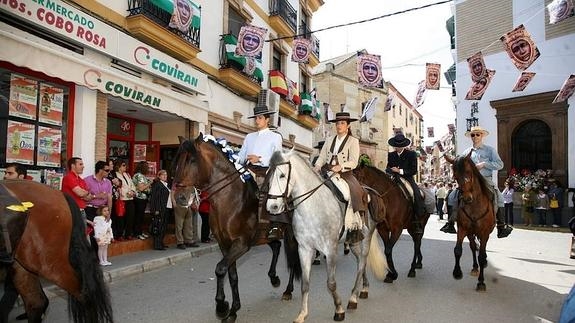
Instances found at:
x=262 y=143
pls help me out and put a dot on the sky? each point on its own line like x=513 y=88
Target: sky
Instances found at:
x=405 y=43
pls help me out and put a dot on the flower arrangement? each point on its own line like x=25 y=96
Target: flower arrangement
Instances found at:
x=525 y=177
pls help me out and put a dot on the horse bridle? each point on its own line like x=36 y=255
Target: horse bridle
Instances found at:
x=232 y=177
x=289 y=201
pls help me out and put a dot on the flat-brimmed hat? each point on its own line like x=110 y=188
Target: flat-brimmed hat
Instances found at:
x=343 y=116
x=260 y=110
x=319 y=144
x=477 y=129
x=399 y=141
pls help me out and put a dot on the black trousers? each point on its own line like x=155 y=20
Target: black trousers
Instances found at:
x=205 y=230
x=140 y=210
x=91 y=213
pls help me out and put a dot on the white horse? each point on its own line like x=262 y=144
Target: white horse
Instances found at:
x=318 y=219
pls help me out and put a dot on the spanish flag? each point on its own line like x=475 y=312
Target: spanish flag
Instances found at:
x=278 y=83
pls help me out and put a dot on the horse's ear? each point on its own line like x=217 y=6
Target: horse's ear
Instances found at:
x=200 y=137
x=469 y=154
x=182 y=139
x=449 y=158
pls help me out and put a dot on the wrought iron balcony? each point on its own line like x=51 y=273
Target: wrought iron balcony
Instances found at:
x=161 y=17
x=233 y=71
x=304 y=30
x=284 y=10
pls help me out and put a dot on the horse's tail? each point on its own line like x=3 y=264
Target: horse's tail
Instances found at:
x=292 y=252
x=375 y=258
x=94 y=303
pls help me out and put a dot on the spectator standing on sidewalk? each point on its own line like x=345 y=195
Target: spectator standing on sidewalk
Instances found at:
x=103 y=234
x=142 y=184
x=528 y=198
x=75 y=186
x=556 y=193
x=452 y=204
x=127 y=193
x=440 y=196
x=541 y=207
x=204 y=210
x=508 y=201
x=184 y=223
x=160 y=206
x=101 y=188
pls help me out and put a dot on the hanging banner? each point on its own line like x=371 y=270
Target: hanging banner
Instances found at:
x=23 y=97
x=478 y=88
x=20 y=143
x=560 y=10
x=49 y=147
x=523 y=81
x=430 y=132
x=185 y=15
x=251 y=41
x=477 y=67
x=420 y=95
x=388 y=102
x=369 y=70
x=51 y=104
x=432 y=78
x=520 y=47
x=301 y=50
x=566 y=90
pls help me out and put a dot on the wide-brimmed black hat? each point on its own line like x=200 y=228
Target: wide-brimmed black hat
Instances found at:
x=343 y=116
x=319 y=144
x=261 y=110
x=399 y=141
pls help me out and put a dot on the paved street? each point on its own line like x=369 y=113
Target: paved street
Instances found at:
x=528 y=276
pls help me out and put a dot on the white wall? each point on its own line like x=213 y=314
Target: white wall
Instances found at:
x=84 y=134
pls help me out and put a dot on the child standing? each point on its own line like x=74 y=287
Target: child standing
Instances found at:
x=103 y=234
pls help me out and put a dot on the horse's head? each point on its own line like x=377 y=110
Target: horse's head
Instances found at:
x=466 y=175
x=191 y=169
x=280 y=182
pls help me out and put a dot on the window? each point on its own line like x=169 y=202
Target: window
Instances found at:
x=277 y=60
x=531 y=146
x=235 y=21
x=304 y=82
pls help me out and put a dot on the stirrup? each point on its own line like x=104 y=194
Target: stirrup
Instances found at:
x=275 y=233
x=503 y=231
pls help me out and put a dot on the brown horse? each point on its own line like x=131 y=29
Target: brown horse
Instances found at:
x=476 y=214
x=53 y=245
x=393 y=212
x=233 y=215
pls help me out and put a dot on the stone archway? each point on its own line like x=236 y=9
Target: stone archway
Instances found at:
x=516 y=116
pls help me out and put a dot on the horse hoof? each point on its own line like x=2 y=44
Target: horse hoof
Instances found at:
x=457 y=274
x=474 y=272
x=418 y=266
x=339 y=317
x=481 y=287
x=352 y=306
x=286 y=297
x=388 y=280
x=363 y=295
x=316 y=262
x=276 y=282
x=222 y=310
x=411 y=273
x=345 y=251
x=230 y=319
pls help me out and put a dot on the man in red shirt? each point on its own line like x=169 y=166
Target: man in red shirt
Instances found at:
x=75 y=186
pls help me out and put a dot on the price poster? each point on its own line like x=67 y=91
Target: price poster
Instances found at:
x=139 y=152
x=49 y=143
x=51 y=104
x=20 y=143
x=23 y=96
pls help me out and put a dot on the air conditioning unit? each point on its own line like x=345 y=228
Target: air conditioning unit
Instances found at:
x=271 y=99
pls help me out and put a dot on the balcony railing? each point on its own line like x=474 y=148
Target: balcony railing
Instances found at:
x=284 y=9
x=304 y=30
x=162 y=18
x=229 y=60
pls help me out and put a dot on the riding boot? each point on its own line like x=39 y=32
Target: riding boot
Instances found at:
x=503 y=230
x=354 y=236
x=275 y=232
x=449 y=227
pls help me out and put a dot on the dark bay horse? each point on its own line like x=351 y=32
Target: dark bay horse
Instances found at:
x=53 y=245
x=233 y=216
x=476 y=214
x=392 y=212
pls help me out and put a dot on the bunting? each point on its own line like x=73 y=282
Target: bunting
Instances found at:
x=185 y=14
x=328 y=113
x=560 y=10
x=388 y=102
x=251 y=41
x=432 y=76
x=520 y=47
x=301 y=50
x=523 y=81
x=477 y=67
x=368 y=109
x=478 y=88
x=369 y=70
x=278 y=83
x=430 y=132
x=293 y=92
x=566 y=90
x=249 y=65
x=420 y=96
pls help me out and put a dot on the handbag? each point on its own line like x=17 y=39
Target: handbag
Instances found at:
x=120 y=207
x=554 y=204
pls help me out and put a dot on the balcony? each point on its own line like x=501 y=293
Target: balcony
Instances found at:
x=283 y=17
x=150 y=23
x=314 y=4
x=306 y=32
x=233 y=71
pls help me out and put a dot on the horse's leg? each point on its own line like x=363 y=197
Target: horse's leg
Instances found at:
x=473 y=247
x=389 y=240
x=287 y=295
x=305 y=256
x=275 y=246
x=359 y=250
x=482 y=262
x=416 y=261
x=457 y=251
x=236 y=304
x=29 y=287
x=238 y=248
x=332 y=286
x=9 y=297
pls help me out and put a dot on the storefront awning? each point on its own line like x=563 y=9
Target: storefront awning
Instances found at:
x=79 y=70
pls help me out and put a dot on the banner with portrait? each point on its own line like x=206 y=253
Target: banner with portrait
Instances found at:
x=430 y=132
x=523 y=81
x=300 y=50
x=560 y=10
x=432 y=76
x=388 y=102
x=369 y=70
x=566 y=90
x=420 y=95
x=477 y=67
x=23 y=97
x=49 y=147
x=251 y=41
x=478 y=88
x=20 y=142
x=520 y=47
x=185 y=15
x=51 y=104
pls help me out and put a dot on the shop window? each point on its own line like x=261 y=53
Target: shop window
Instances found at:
x=33 y=120
x=142 y=132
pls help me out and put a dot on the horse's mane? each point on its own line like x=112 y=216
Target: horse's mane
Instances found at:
x=459 y=167
x=280 y=157
x=378 y=172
